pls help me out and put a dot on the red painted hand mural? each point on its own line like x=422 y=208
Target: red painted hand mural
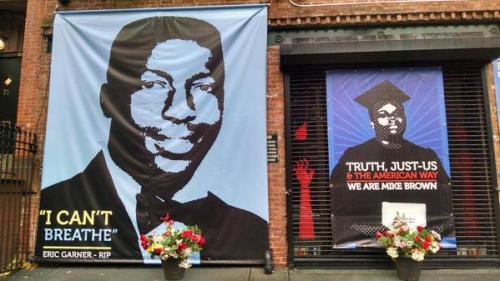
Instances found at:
x=305 y=175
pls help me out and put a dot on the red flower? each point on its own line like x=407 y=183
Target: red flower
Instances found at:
x=428 y=238
x=195 y=238
x=418 y=239
x=143 y=237
x=182 y=247
x=145 y=244
x=166 y=218
x=378 y=235
x=420 y=228
x=390 y=234
x=158 y=251
x=427 y=245
x=187 y=234
x=202 y=241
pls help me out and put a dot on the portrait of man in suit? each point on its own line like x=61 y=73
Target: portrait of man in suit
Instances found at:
x=164 y=94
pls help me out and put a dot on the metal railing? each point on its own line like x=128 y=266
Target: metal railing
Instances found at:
x=17 y=159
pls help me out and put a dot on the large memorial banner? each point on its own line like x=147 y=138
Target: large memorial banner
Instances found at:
x=154 y=112
x=388 y=153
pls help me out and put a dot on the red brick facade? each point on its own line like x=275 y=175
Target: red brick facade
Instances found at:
x=36 y=63
x=276 y=174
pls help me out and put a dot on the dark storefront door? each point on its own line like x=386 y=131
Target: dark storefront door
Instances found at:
x=10 y=73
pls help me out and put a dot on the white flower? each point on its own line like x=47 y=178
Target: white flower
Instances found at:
x=392 y=252
x=184 y=263
x=417 y=255
x=397 y=241
x=436 y=235
x=404 y=227
x=158 y=239
x=410 y=244
x=434 y=247
x=188 y=252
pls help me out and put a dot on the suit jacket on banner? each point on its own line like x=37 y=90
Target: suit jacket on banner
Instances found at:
x=103 y=223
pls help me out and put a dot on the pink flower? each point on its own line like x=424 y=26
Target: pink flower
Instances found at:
x=195 y=238
x=167 y=220
x=202 y=241
x=378 y=235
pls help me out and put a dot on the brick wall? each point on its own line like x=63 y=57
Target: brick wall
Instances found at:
x=283 y=8
x=36 y=63
x=34 y=68
x=283 y=14
x=277 y=188
x=491 y=91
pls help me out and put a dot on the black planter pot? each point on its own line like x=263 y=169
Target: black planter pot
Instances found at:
x=172 y=270
x=407 y=268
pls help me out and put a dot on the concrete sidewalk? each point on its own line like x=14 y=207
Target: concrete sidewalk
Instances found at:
x=153 y=273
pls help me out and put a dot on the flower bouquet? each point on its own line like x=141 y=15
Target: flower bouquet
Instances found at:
x=408 y=247
x=174 y=246
x=401 y=240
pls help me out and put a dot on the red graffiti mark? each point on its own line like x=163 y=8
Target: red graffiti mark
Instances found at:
x=301 y=133
x=305 y=175
x=471 y=217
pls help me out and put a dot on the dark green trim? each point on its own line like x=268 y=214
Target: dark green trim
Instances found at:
x=387 y=44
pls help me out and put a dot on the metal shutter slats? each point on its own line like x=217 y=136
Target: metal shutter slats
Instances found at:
x=469 y=155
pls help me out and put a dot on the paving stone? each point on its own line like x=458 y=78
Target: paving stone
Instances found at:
x=155 y=273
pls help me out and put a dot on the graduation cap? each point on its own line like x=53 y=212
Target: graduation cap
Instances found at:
x=385 y=91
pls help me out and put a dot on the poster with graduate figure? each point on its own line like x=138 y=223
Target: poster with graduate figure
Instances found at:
x=388 y=153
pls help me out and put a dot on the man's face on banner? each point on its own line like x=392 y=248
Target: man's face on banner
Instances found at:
x=176 y=105
x=389 y=121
